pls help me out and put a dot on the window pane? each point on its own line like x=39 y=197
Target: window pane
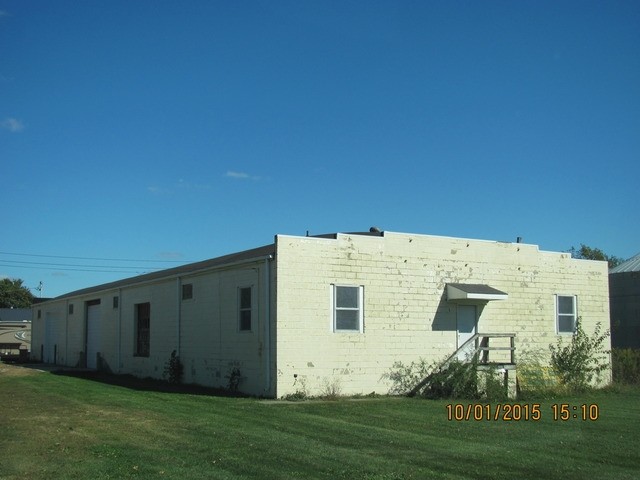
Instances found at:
x=565 y=305
x=347 y=297
x=347 y=320
x=144 y=310
x=245 y=320
x=245 y=298
x=565 y=323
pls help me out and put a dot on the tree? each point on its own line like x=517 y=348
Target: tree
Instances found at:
x=13 y=294
x=587 y=253
x=582 y=359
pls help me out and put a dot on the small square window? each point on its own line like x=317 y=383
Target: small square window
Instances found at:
x=245 y=309
x=71 y=309
x=187 y=291
x=39 y=313
x=116 y=302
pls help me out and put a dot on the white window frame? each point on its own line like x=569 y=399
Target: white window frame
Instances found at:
x=574 y=315
x=335 y=308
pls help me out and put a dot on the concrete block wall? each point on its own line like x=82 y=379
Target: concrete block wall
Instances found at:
x=203 y=330
x=406 y=313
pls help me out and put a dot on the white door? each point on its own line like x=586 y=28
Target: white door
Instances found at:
x=93 y=335
x=467 y=323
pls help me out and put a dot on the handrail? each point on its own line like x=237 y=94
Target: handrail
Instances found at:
x=480 y=347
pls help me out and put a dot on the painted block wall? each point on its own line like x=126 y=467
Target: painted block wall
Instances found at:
x=204 y=330
x=212 y=345
x=406 y=313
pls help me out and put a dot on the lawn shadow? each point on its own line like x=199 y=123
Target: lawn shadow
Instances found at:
x=146 y=384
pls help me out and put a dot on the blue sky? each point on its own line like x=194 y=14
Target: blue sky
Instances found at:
x=162 y=131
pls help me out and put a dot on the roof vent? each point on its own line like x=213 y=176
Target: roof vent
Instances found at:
x=374 y=230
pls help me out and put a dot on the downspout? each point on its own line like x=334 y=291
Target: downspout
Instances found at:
x=178 y=313
x=267 y=323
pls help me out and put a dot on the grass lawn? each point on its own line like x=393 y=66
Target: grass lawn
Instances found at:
x=58 y=427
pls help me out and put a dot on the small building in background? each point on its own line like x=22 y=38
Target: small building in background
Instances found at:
x=15 y=333
x=624 y=294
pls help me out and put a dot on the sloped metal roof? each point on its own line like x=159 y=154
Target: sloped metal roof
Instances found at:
x=245 y=255
x=474 y=291
x=631 y=265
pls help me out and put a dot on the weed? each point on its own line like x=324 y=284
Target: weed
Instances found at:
x=581 y=361
x=301 y=392
x=234 y=378
x=404 y=377
x=626 y=365
x=331 y=389
x=173 y=369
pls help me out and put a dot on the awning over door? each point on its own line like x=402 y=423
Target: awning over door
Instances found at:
x=474 y=291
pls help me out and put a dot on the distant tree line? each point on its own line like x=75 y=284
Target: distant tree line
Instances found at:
x=587 y=253
x=13 y=294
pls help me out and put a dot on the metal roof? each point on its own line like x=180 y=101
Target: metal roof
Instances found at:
x=631 y=265
x=474 y=291
x=255 y=253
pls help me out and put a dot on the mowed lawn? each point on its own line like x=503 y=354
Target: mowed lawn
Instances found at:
x=57 y=427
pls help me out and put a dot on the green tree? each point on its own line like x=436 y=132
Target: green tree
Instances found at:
x=13 y=294
x=588 y=253
x=581 y=360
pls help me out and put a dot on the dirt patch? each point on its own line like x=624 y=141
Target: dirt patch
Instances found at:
x=10 y=370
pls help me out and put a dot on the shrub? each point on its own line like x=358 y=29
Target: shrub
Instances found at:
x=582 y=360
x=626 y=365
x=173 y=369
x=456 y=380
x=492 y=386
x=404 y=377
x=331 y=389
x=535 y=378
x=301 y=392
x=234 y=377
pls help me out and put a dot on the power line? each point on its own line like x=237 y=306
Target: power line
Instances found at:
x=77 y=269
x=73 y=265
x=95 y=258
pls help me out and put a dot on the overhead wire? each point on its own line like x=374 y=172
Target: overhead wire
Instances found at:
x=82 y=267
x=95 y=258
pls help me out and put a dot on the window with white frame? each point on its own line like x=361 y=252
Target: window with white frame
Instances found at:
x=347 y=308
x=566 y=313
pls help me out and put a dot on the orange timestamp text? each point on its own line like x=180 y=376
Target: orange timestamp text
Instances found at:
x=515 y=412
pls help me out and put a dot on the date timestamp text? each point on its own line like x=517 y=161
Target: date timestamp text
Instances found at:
x=516 y=412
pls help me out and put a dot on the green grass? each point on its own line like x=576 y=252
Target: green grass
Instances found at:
x=60 y=427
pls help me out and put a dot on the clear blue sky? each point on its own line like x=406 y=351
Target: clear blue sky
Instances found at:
x=179 y=131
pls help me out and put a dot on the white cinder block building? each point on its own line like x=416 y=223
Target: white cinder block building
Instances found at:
x=332 y=310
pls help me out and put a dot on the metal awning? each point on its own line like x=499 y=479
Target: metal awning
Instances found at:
x=474 y=291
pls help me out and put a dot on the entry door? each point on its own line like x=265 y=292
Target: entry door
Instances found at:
x=93 y=335
x=467 y=322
